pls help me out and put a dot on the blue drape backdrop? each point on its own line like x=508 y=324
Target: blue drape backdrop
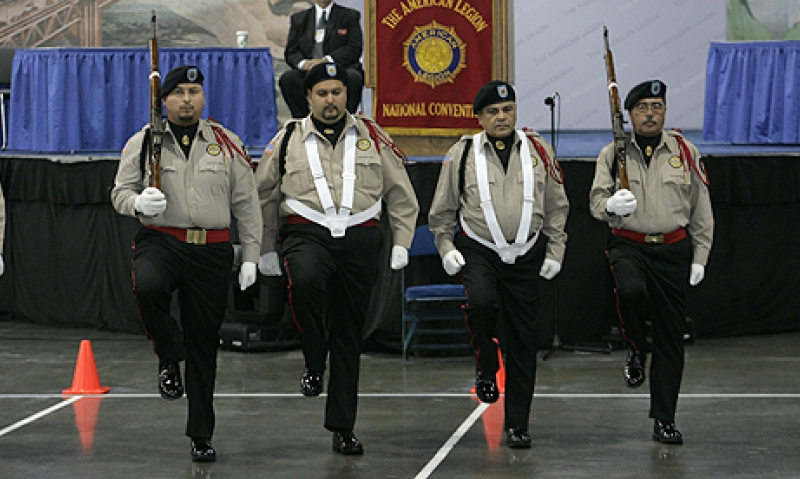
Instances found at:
x=94 y=99
x=753 y=93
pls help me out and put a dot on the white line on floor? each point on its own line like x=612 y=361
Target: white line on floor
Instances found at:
x=424 y=395
x=39 y=415
x=442 y=453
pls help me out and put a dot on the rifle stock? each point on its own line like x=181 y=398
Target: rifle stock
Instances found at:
x=156 y=121
x=617 y=120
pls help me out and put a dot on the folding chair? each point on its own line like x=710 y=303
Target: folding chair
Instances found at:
x=432 y=315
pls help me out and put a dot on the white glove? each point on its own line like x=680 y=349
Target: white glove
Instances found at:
x=550 y=268
x=151 y=202
x=247 y=275
x=269 y=265
x=622 y=203
x=2 y=266
x=399 y=257
x=453 y=261
x=697 y=274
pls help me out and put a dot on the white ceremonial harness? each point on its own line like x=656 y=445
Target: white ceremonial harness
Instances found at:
x=508 y=252
x=336 y=221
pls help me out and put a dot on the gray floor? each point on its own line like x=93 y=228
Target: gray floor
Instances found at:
x=739 y=412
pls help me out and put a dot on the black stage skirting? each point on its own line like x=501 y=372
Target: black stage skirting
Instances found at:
x=68 y=253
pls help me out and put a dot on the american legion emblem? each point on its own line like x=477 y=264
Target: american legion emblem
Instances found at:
x=434 y=54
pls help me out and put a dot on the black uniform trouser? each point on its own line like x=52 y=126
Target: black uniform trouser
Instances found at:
x=330 y=283
x=495 y=289
x=201 y=274
x=291 y=85
x=651 y=284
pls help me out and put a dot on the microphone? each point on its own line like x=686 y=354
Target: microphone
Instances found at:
x=551 y=100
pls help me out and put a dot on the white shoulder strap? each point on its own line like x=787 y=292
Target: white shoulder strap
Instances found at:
x=508 y=253
x=336 y=221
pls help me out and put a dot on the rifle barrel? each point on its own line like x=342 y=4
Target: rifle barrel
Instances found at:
x=617 y=120
x=156 y=122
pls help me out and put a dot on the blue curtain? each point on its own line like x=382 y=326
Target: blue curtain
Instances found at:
x=753 y=93
x=94 y=99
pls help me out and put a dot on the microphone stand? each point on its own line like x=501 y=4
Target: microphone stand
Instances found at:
x=557 y=344
x=551 y=102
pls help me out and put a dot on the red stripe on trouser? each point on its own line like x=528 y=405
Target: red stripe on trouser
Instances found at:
x=291 y=298
x=619 y=310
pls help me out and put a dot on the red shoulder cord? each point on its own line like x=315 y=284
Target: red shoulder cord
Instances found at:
x=552 y=167
x=379 y=137
x=224 y=140
x=686 y=154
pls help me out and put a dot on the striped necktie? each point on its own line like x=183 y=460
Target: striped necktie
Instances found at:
x=316 y=50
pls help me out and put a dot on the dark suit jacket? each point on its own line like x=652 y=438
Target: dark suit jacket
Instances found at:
x=344 y=40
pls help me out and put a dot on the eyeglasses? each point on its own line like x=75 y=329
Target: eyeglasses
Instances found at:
x=657 y=107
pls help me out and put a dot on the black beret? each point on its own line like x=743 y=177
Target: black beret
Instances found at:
x=322 y=72
x=648 y=89
x=493 y=92
x=184 y=74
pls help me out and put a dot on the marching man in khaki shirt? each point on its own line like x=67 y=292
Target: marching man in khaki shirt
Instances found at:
x=184 y=242
x=322 y=183
x=661 y=233
x=498 y=191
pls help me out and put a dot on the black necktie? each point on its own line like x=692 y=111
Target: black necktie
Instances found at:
x=316 y=50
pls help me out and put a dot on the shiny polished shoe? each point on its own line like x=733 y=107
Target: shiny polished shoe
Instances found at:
x=169 y=380
x=666 y=432
x=347 y=443
x=634 y=368
x=311 y=383
x=202 y=451
x=518 y=439
x=486 y=387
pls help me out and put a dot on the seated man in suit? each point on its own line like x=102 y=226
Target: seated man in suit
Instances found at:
x=326 y=32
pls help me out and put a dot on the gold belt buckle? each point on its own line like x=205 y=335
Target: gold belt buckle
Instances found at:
x=196 y=236
x=654 y=239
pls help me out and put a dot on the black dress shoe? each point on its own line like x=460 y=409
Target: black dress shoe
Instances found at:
x=311 y=383
x=486 y=387
x=347 y=443
x=666 y=432
x=169 y=380
x=634 y=368
x=202 y=451
x=518 y=439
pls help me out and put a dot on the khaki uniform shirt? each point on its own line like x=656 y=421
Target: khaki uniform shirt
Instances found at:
x=202 y=190
x=550 y=204
x=669 y=194
x=379 y=174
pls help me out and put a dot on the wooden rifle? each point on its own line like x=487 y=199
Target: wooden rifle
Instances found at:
x=617 y=120
x=156 y=120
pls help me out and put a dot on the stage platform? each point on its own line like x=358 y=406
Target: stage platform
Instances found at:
x=586 y=145
x=570 y=145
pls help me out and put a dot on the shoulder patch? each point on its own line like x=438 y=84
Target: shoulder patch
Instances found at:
x=269 y=148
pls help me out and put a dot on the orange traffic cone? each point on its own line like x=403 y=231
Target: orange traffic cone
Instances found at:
x=501 y=372
x=500 y=377
x=86 y=380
